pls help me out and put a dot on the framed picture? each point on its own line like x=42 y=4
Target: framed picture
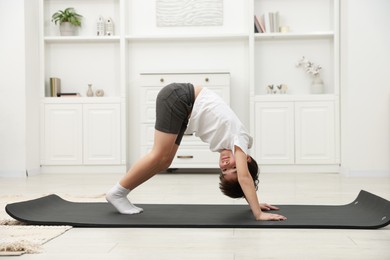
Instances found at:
x=189 y=13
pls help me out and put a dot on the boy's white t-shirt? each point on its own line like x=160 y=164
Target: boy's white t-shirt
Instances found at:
x=215 y=123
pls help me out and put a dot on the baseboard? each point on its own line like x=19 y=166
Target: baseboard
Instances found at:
x=33 y=172
x=12 y=174
x=373 y=173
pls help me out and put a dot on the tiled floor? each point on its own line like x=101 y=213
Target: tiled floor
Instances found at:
x=122 y=243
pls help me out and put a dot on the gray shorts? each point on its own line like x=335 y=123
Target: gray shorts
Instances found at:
x=173 y=106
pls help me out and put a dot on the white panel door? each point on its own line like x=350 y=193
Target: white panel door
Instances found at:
x=315 y=132
x=63 y=134
x=274 y=132
x=102 y=134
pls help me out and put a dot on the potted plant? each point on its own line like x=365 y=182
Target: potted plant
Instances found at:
x=68 y=19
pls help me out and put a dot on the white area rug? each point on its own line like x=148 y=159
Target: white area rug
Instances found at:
x=17 y=238
x=20 y=239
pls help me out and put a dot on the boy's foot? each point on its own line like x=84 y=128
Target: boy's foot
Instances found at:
x=117 y=197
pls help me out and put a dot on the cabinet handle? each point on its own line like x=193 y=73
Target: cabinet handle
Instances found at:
x=162 y=80
x=185 y=156
x=207 y=79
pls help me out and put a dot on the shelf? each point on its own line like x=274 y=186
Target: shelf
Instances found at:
x=186 y=72
x=238 y=36
x=292 y=35
x=81 y=39
x=287 y=97
x=81 y=100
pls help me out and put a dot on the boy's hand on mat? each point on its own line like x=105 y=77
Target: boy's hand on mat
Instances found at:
x=266 y=207
x=270 y=216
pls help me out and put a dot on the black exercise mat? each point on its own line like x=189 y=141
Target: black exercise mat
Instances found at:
x=367 y=211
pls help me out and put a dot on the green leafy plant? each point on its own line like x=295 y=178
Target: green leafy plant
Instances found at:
x=67 y=15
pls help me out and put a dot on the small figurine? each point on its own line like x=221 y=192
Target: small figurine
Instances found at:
x=109 y=27
x=100 y=26
x=283 y=88
x=270 y=89
x=99 y=93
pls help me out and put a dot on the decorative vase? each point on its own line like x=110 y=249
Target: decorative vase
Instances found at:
x=89 y=91
x=317 y=86
x=55 y=87
x=67 y=29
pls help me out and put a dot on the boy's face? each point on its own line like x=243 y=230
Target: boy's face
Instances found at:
x=227 y=164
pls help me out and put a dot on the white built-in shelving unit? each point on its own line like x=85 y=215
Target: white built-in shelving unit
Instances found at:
x=83 y=134
x=107 y=63
x=297 y=131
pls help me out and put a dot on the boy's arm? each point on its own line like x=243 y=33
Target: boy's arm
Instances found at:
x=247 y=185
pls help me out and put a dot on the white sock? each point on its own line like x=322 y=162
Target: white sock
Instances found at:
x=117 y=196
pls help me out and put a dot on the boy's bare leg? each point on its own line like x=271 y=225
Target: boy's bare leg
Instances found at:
x=158 y=159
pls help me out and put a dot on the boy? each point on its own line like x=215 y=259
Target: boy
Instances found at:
x=180 y=108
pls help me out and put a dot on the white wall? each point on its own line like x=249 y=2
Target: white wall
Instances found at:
x=365 y=87
x=32 y=88
x=16 y=88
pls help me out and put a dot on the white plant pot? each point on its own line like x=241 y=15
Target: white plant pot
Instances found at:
x=317 y=86
x=67 y=29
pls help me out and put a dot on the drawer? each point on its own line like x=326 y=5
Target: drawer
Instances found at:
x=192 y=157
x=147 y=137
x=149 y=95
x=197 y=79
x=196 y=156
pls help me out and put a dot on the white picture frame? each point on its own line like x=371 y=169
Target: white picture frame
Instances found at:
x=189 y=13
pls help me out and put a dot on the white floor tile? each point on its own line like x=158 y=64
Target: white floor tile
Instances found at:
x=226 y=244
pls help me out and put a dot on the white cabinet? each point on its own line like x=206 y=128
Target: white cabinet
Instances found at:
x=63 y=134
x=101 y=133
x=274 y=132
x=192 y=153
x=81 y=134
x=295 y=132
x=315 y=132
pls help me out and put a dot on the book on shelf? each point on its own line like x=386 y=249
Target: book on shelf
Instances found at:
x=268 y=22
x=276 y=21
x=259 y=27
x=69 y=95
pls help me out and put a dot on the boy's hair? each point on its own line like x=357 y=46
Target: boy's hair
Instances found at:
x=232 y=188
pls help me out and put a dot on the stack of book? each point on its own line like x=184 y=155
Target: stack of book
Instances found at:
x=267 y=23
x=69 y=95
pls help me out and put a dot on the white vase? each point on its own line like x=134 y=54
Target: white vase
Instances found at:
x=89 y=91
x=67 y=29
x=317 y=86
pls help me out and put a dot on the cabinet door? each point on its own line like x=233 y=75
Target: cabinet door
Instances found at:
x=315 y=132
x=102 y=134
x=274 y=132
x=63 y=134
